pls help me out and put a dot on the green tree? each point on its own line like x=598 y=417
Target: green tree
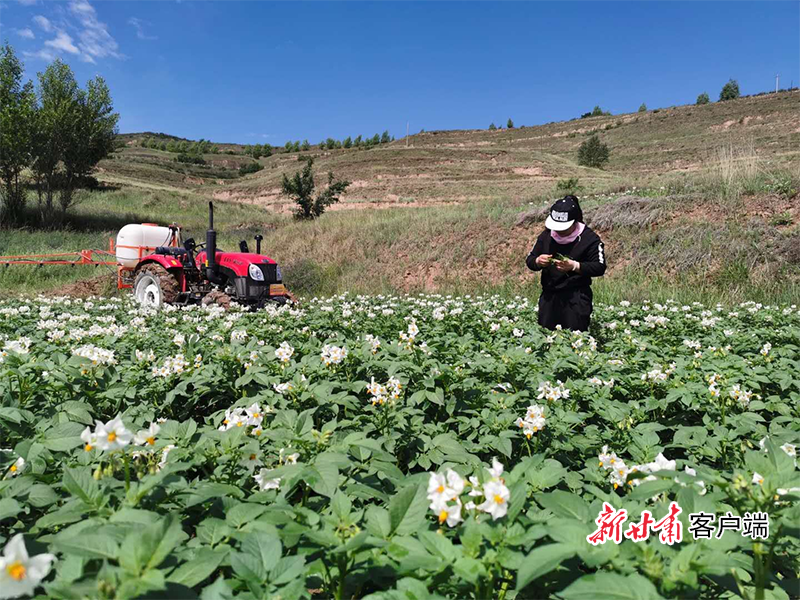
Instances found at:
x=305 y=145
x=376 y=139
x=288 y=146
x=597 y=111
x=330 y=143
x=296 y=146
x=593 y=153
x=730 y=91
x=214 y=149
x=385 y=139
x=17 y=126
x=510 y=124
x=300 y=188
x=56 y=120
x=357 y=142
x=347 y=143
x=643 y=107
x=703 y=99
x=492 y=127
x=172 y=146
x=163 y=146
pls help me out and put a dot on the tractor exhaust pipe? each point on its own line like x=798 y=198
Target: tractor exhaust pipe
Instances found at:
x=211 y=247
x=259 y=237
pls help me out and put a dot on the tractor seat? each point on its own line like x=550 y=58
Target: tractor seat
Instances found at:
x=171 y=251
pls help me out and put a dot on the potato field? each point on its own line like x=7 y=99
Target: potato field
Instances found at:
x=395 y=447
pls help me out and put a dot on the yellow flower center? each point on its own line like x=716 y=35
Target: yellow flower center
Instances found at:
x=88 y=447
x=442 y=516
x=256 y=415
x=112 y=436
x=440 y=489
x=239 y=424
x=151 y=440
x=16 y=571
x=498 y=499
x=252 y=457
x=257 y=432
x=13 y=468
x=225 y=421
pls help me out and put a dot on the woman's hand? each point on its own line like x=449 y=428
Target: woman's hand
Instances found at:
x=543 y=260
x=568 y=265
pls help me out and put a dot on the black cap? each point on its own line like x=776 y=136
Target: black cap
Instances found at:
x=563 y=214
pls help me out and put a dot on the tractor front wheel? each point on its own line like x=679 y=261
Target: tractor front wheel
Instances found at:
x=155 y=286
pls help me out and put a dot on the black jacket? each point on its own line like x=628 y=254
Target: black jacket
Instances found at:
x=588 y=250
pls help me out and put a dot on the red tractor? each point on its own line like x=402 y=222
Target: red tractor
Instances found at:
x=187 y=273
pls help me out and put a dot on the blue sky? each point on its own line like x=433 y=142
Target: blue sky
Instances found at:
x=255 y=72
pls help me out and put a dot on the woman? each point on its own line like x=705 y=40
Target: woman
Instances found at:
x=566 y=298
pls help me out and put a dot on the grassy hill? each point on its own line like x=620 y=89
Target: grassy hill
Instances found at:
x=696 y=202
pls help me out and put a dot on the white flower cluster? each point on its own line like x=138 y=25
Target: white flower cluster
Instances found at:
x=658 y=374
x=238 y=335
x=410 y=335
x=765 y=349
x=19 y=346
x=108 y=436
x=284 y=352
x=533 y=421
x=598 y=382
x=241 y=417
x=551 y=393
x=142 y=356
x=619 y=471
x=263 y=479
x=98 y=356
x=740 y=395
x=333 y=355
x=173 y=365
x=383 y=393
x=444 y=492
x=375 y=343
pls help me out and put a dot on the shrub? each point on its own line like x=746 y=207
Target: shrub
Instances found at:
x=191 y=159
x=492 y=127
x=571 y=185
x=385 y=139
x=703 y=99
x=300 y=188
x=593 y=153
x=782 y=184
x=510 y=124
x=305 y=146
x=252 y=167
x=730 y=91
x=643 y=107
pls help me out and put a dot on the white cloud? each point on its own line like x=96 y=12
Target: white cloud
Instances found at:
x=26 y=33
x=95 y=41
x=27 y=2
x=43 y=22
x=138 y=24
x=62 y=43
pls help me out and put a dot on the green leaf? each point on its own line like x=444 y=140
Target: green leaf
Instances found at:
x=407 y=510
x=565 y=504
x=9 y=508
x=146 y=549
x=341 y=505
x=63 y=437
x=266 y=548
x=248 y=567
x=243 y=513
x=200 y=567
x=41 y=495
x=611 y=586
x=80 y=483
x=541 y=561
x=89 y=545
x=212 y=531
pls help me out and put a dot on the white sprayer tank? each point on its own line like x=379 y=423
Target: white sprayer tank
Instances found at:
x=135 y=241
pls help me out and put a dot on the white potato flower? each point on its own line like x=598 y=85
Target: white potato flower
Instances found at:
x=147 y=436
x=112 y=435
x=21 y=574
x=496 y=496
x=265 y=482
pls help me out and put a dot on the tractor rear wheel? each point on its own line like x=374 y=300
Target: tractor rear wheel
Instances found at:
x=216 y=297
x=155 y=286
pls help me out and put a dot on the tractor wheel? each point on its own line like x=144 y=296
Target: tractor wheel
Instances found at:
x=217 y=297
x=155 y=286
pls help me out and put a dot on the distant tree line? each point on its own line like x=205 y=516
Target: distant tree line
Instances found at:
x=56 y=130
x=181 y=146
x=258 y=150
x=357 y=142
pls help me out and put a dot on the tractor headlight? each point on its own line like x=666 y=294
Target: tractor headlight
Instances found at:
x=278 y=274
x=255 y=273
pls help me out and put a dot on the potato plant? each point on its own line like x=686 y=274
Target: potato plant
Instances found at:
x=397 y=447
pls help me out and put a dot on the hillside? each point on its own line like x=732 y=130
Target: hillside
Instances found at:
x=696 y=201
